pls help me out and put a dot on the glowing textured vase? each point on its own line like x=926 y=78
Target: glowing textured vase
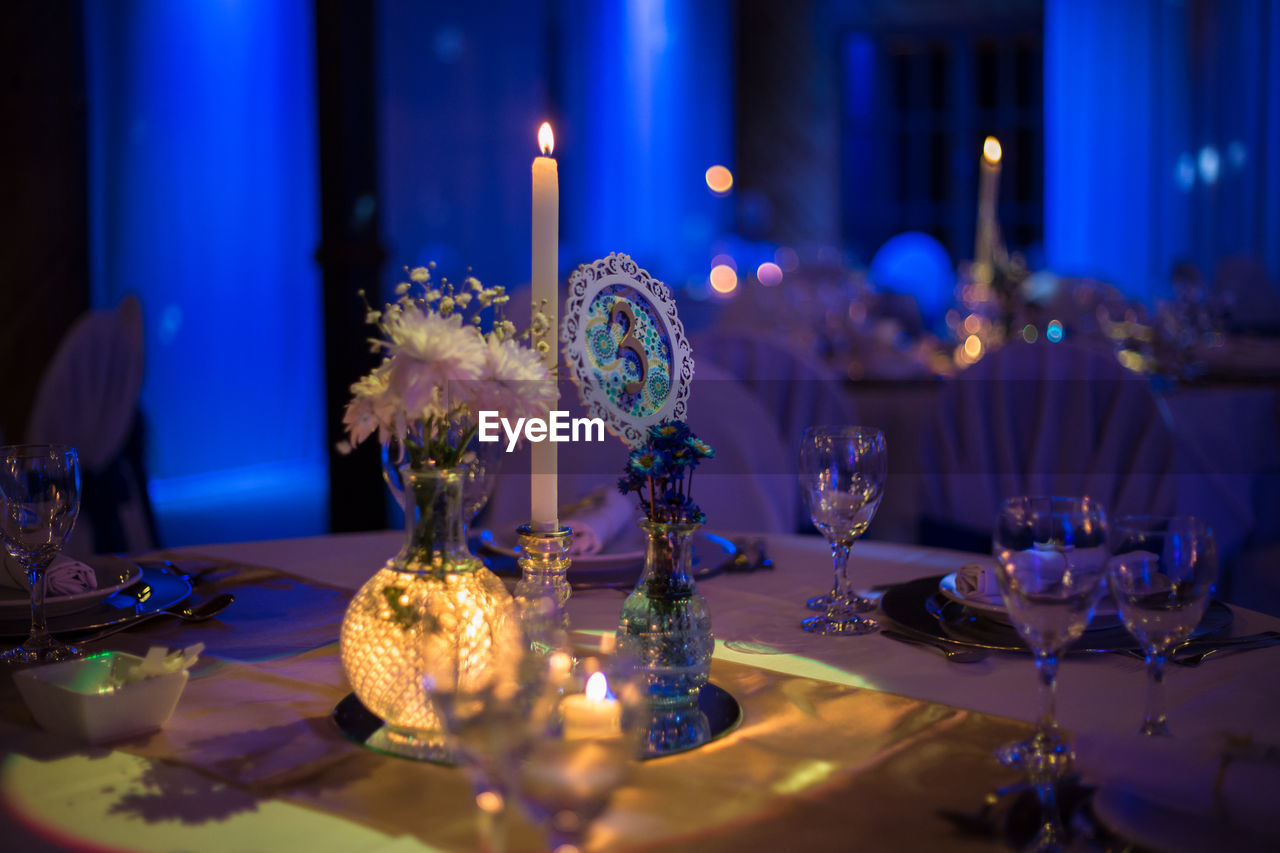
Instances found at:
x=432 y=605
x=664 y=623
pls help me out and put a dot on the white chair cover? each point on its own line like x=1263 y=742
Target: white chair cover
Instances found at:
x=88 y=397
x=1041 y=419
x=798 y=389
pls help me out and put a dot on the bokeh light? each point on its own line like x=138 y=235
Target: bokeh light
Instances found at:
x=723 y=260
x=769 y=273
x=973 y=347
x=719 y=180
x=1209 y=164
x=1054 y=331
x=724 y=279
x=1030 y=333
x=787 y=258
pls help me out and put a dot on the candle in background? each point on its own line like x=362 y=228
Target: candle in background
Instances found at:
x=544 y=496
x=985 y=243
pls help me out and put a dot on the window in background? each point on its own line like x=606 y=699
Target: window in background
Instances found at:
x=919 y=95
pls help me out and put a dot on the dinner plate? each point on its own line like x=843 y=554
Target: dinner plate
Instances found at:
x=1153 y=826
x=920 y=608
x=154 y=590
x=711 y=553
x=625 y=549
x=113 y=573
x=1104 y=616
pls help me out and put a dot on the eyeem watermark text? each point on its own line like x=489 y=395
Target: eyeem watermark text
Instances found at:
x=557 y=427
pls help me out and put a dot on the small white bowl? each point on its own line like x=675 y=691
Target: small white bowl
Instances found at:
x=76 y=698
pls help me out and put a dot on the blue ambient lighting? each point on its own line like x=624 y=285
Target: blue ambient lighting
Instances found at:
x=203 y=202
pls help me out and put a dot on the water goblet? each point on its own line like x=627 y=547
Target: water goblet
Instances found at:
x=1161 y=572
x=39 y=502
x=589 y=726
x=842 y=476
x=1052 y=555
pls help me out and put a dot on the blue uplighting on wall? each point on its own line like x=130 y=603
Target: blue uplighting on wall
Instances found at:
x=648 y=108
x=203 y=201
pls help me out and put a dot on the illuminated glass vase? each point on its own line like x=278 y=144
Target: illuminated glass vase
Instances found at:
x=434 y=603
x=664 y=623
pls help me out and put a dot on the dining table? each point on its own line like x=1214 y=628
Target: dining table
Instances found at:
x=844 y=742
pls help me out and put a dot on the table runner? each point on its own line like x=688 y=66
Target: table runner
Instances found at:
x=814 y=762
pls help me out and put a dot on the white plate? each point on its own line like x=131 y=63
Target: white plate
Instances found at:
x=1157 y=827
x=1105 y=616
x=114 y=574
x=626 y=550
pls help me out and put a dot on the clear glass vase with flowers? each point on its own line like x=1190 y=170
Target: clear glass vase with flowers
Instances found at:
x=664 y=622
x=448 y=353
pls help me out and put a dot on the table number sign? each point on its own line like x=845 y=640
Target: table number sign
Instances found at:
x=626 y=347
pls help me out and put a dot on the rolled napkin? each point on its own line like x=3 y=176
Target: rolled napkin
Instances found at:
x=65 y=576
x=977 y=581
x=597 y=519
x=1217 y=777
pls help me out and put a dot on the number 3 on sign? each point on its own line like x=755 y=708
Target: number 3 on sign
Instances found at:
x=622 y=311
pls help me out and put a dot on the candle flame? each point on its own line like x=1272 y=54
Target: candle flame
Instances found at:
x=597 y=687
x=991 y=150
x=546 y=139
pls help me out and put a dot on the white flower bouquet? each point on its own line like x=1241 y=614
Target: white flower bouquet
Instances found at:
x=441 y=367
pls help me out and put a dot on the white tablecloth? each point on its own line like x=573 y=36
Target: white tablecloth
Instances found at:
x=762 y=611
x=71 y=796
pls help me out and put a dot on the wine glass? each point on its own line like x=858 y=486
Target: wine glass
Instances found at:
x=842 y=476
x=589 y=727
x=1161 y=572
x=39 y=502
x=483 y=694
x=1052 y=557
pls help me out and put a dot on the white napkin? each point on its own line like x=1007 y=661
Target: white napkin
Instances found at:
x=601 y=517
x=65 y=576
x=977 y=581
x=1183 y=774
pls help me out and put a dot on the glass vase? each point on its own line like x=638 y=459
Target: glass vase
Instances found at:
x=664 y=623
x=433 y=604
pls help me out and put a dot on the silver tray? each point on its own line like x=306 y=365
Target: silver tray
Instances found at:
x=670 y=732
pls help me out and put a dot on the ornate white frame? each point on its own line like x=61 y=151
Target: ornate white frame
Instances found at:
x=584 y=284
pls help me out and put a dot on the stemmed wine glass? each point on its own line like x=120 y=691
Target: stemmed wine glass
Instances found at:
x=483 y=694
x=39 y=502
x=589 y=726
x=1052 y=557
x=842 y=476
x=1161 y=572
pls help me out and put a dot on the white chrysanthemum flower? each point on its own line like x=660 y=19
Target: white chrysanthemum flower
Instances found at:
x=372 y=407
x=428 y=354
x=514 y=383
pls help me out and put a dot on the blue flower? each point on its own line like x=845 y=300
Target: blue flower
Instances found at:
x=668 y=433
x=646 y=462
x=700 y=447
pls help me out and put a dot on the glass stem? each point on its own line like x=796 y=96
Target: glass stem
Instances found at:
x=840 y=593
x=1047 y=669
x=1154 y=721
x=36 y=575
x=1051 y=833
x=491 y=819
